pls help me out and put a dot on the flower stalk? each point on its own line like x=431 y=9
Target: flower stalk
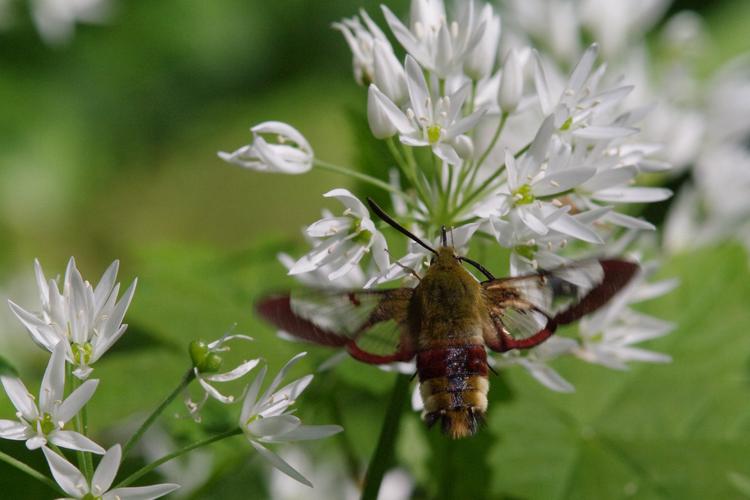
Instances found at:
x=138 y=434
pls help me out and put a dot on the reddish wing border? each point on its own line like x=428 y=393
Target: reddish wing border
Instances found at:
x=393 y=305
x=617 y=274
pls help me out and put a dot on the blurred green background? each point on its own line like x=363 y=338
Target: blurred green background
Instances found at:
x=108 y=150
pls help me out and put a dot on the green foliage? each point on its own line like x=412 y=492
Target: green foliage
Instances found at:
x=654 y=431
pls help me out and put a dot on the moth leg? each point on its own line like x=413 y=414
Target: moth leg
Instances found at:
x=407 y=269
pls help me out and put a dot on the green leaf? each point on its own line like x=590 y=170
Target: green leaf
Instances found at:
x=655 y=431
x=6 y=368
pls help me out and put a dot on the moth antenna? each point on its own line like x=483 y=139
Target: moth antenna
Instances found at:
x=479 y=267
x=443 y=236
x=453 y=241
x=398 y=227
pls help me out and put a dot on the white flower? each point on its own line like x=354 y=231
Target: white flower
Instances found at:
x=38 y=425
x=380 y=124
x=438 y=45
x=535 y=362
x=427 y=122
x=362 y=40
x=608 y=335
x=480 y=60
x=510 y=90
x=206 y=362
x=88 y=320
x=290 y=154
x=267 y=419
x=75 y=484
x=341 y=242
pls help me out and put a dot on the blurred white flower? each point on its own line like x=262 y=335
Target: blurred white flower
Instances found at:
x=510 y=89
x=44 y=423
x=289 y=154
x=480 y=61
x=438 y=44
x=535 y=362
x=207 y=362
x=427 y=122
x=608 y=334
x=341 y=242
x=75 y=484
x=267 y=419
x=362 y=41
x=56 y=19
x=88 y=320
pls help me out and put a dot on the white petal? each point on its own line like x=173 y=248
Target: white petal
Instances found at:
x=583 y=68
x=36 y=442
x=53 y=382
x=346 y=198
x=628 y=221
x=74 y=441
x=418 y=92
x=548 y=377
x=279 y=463
x=251 y=396
x=396 y=117
x=20 y=397
x=66 y=474
x=572 y=227
x=542 y=88
x=603 y=133
x=380 y=252
x=140 y=492
x=41 y=283
x=379 y=121
x=273 y=426
x=234 y=374
x=10 y=429
x=214 y=393
x=107 y=281
x=284 y=130
x=41 y=333
x=561 y=181
x=308 y=432
x=446 y=153
x=632 y=195
x=610 y=178
x=532 y=221
x=77 y=399
x=511 y=82
x=106 y=470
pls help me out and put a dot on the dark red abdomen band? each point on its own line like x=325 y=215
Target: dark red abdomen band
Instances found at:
x=457 y=361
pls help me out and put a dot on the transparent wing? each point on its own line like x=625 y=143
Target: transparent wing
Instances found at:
x=371 y=324
x=526 y=310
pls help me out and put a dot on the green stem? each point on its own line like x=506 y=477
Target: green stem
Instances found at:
x=359 y=176
x=498 y=131
x=382 y=458
x=166 y=458
x=186 y=379
x=407 y=169
x=480 y=191
x=31 y=472
x=78 y=426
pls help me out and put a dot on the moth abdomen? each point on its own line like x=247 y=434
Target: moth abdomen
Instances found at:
x=454 y=386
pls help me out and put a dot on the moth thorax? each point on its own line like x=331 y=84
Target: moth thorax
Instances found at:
x=454 y=388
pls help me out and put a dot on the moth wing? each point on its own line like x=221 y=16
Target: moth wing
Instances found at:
x=370 y=324
x=525 y=310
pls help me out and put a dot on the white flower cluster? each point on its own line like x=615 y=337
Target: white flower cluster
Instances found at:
x=78 y=325
x=696 y=123
x=495 y=140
